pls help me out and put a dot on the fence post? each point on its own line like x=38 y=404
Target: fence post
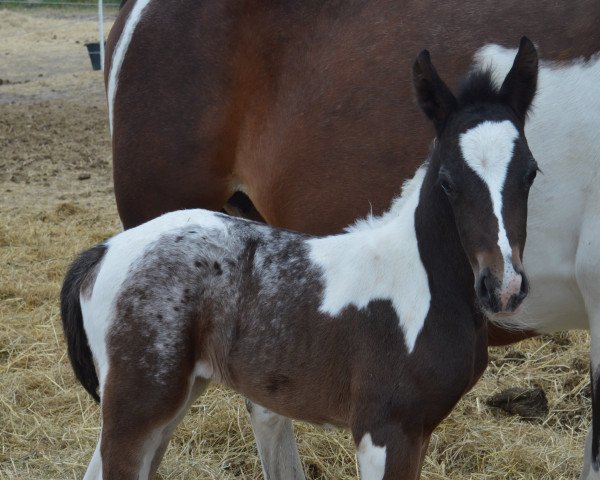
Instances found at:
x=101 y=32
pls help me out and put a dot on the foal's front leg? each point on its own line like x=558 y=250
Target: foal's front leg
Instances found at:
x=276 y=444
x=387 y=452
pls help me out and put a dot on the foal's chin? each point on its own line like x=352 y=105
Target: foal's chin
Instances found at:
x=499 y=317
x=502 y=318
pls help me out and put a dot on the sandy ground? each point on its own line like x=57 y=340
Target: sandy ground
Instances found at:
x=56 y=198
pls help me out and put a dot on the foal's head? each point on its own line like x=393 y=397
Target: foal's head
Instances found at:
x=484 y=169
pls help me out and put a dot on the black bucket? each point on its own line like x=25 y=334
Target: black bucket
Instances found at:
x=94 y=53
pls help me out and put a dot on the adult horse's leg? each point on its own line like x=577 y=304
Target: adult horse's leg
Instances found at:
x=588 y=278
x=591 y=460
x=276 y=444
x=423 y=453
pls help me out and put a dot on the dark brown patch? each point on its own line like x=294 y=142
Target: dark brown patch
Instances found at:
x=276 y=381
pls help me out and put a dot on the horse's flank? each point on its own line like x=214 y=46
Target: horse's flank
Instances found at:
x=301 y=106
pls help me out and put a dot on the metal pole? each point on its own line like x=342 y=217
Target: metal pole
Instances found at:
x=101 y=32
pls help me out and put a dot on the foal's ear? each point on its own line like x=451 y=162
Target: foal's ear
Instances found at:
x=433 y=96
x=520 y=84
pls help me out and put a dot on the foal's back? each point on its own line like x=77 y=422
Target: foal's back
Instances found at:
x=239 y=303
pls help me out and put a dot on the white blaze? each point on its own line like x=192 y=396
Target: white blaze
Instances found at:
x=119 y=54
x=488 y=150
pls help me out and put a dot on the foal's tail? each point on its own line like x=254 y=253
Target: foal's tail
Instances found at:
x=78 y=276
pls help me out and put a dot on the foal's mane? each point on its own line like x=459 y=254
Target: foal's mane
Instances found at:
x=478 y=87
x=409 y=187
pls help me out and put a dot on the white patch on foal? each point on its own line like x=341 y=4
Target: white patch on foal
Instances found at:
x=94 y=470
x=371 y=459
x=119 y=54
x=378 y=259
x=488 y=150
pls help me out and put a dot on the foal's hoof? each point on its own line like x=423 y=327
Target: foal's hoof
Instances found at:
x=530 y=404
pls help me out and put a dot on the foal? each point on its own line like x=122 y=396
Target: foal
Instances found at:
x=378 y=329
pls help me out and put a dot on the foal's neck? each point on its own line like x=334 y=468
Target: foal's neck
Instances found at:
x=422 y=217
x=450 y=275
x=411 y=256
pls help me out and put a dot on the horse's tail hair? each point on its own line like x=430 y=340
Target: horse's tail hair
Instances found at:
x=80 y=275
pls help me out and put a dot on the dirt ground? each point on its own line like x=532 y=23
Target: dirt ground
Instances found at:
x=56 y=199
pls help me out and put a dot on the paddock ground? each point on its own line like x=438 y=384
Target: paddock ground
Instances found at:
x=57 y=199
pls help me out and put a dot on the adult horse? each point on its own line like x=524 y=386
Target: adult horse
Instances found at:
x=305 y=107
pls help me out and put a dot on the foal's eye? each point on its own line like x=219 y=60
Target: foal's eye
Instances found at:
x=447 y=186
x=446 y=183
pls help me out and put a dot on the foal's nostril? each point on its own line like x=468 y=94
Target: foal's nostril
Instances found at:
x=486 y=287
x=518 y=298
x=482 y=289
x=524 y=285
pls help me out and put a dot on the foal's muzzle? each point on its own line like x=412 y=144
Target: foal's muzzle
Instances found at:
x=501 y=295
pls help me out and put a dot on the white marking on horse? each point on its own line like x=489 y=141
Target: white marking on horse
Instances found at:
x=203 y=369
x=119 y=54
x=94 y=470
x=371 y=459
x=386 y=264
x=488 y=150
x=151 y=444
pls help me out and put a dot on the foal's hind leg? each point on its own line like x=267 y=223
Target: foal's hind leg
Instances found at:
x=197 y=389
x=94 y=470
x=138 y=421
x=276 y=444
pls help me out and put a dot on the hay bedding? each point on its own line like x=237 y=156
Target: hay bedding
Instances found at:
x=48 y=424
